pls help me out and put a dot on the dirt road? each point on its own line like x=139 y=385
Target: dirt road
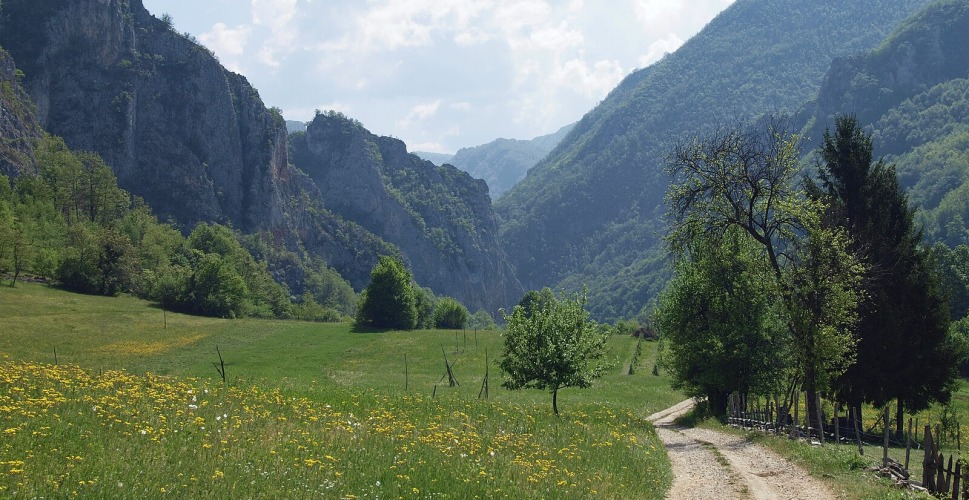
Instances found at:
x=710 y=464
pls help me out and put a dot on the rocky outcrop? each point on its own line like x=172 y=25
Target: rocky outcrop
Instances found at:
x=18 y=125
x=439 y=217
x=927 y=49
x=198 y=144
x=191 y=138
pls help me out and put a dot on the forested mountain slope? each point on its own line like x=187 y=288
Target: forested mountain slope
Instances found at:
x=502 y=163
x=197 y=143
x=590 y=213
x=912 y=91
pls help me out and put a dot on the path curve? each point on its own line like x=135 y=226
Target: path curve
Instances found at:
x=711 y=464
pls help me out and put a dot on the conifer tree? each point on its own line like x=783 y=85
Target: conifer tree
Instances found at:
x=903 y=351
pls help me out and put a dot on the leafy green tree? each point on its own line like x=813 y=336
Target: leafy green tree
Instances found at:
x=535 y=300
x=388 y=301
x=216 y=287
x=903 y=351
x=450 y=314
x=718 y=322
x=481 y=320
x=747 y=178
x=555 y=347
x=424 y=301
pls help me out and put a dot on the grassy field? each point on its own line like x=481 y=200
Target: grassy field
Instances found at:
x=310 y=410
x=318 y=410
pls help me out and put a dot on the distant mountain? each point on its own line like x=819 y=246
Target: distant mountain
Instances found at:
x=439 y=217
x=293 y=126
x=502 y=163
x=196 y=142
x=912 y=92
x=435 y=158
x=591 y=212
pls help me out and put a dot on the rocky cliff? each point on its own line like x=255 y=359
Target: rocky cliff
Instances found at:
x=191 y=138
x=18 y=125
x=197 y=143
x=439 y=217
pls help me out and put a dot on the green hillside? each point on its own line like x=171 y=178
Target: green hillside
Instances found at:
x=912 y=92
x=590 y=212
x=309 y=410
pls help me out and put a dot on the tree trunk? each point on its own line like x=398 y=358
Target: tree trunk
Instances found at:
x=899 y=418
x=811 y=391
x=717 y=401
x=555 y=401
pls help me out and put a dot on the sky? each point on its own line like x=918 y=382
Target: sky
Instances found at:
x=440 y=74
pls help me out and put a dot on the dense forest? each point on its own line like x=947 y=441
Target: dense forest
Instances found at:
x=591 y=212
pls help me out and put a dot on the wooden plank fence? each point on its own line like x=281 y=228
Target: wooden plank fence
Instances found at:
x=945 y=477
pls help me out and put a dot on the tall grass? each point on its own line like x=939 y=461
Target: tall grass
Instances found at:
x=135 y=409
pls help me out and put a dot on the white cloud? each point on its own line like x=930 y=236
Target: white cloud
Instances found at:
x=648 y=11
x=278 y=16
x=558 y=38
x=451 y=73
x=420 y=113
x=591 y=82
x=660 y=48
x=226 y=41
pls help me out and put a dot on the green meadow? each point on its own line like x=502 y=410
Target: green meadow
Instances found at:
x=135 y=406
x=114 y=397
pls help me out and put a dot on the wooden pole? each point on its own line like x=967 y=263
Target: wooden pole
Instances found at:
x=928 y=461
x=405 y=372
x=908 y=442
x=820 y=422
x=948 y=476
x=885 y=447
x=956 y=494
x=837 y=422
x=797 y=421
x=854 y=419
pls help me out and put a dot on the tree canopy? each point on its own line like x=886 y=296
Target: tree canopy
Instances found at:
x=746 y=178
x=721 y=330
x=554 y=347
x=388 y=301
x=903 y=352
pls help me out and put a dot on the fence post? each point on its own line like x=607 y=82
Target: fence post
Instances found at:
x=854 y=419
x=837 y=422
x=956 y=482
x=928 y=461
x=940 y=470
x=885 y=447
x=820 y=421
x=908 y=442
x=948 y=476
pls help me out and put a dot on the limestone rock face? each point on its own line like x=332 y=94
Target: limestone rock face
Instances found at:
x=198 y=144
x=439 y=217
x=191 y=138
x=18 y=125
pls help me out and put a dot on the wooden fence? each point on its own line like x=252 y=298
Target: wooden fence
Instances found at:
x=946 y=478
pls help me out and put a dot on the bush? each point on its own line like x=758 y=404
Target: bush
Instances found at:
x=388 y=301
x=450 y=314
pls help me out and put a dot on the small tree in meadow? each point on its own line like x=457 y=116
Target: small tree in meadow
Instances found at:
x=388 y=301
x=553 y=347
x=450 y=314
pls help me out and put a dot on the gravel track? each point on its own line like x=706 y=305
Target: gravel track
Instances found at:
x=711 y=464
